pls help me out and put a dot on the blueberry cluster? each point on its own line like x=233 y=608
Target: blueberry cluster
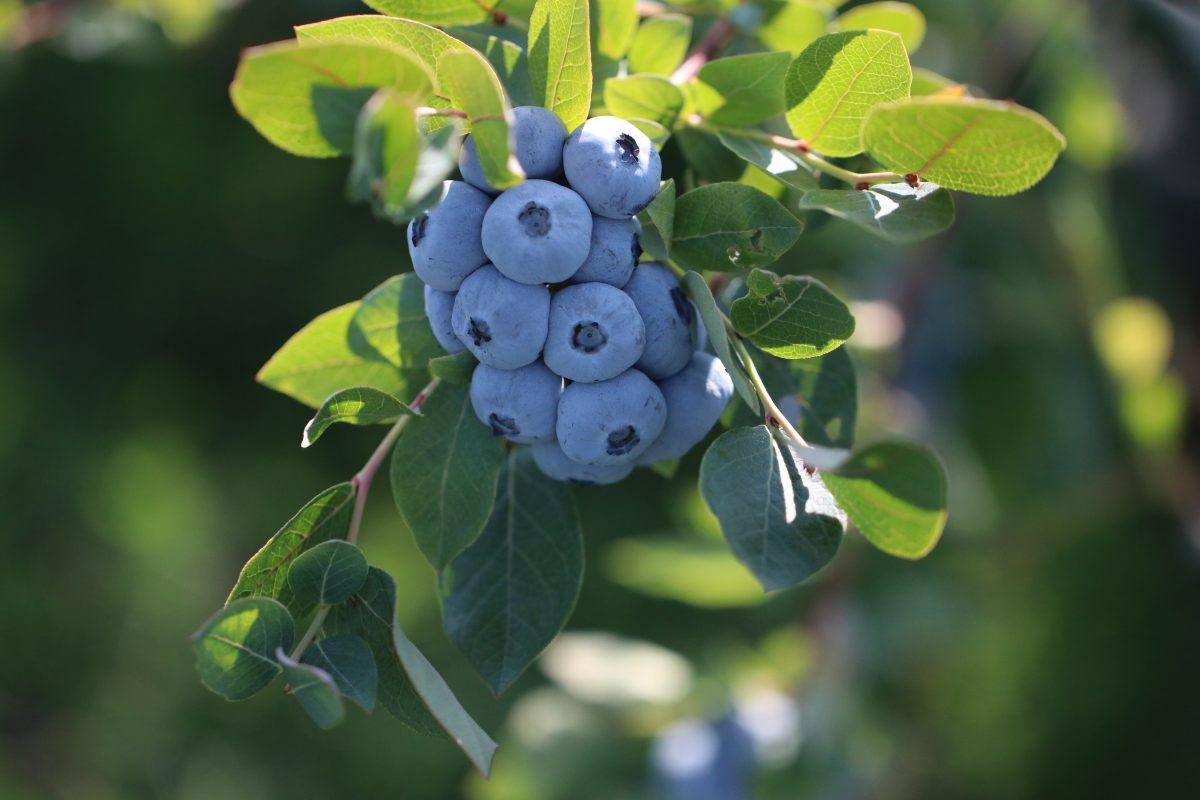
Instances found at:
x=584 y=353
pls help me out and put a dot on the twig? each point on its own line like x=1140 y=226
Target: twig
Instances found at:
x=362 y=484
x=714 y=41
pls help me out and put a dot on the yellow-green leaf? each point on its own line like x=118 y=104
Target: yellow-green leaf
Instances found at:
x=987 y=147
x=473 y=87
x=560 y=59
x=902 y=18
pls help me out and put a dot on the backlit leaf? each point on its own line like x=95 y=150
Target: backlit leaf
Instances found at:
x=235 y=648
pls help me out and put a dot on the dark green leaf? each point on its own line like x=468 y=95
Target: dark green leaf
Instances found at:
x=444 y=472
x=894 y=211
x=780 y=521
x=740 y=90
x=328 y=573
x=305 y=98
x=472 y=86
x=698 y=290
x=456 y=369
x=560 y=59
x=509 y=594
x=818 y=395
x=361 y=405
x=325 y=517
x=895 y=493
x=649 y=97
x=369 y=615
x=791 y=316
x=315 y=691
x=348 y=660
x=727 y=226
x=984 y=147
x=330 y=353
x=392 y=320
x=660 y=44
x=705 y=154
x=510 y=63
x=779 y=164
x=904 y=19
x=441 y=702
x=235 y=648
x=837 y=80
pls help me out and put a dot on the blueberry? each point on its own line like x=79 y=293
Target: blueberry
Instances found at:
x=613 y=166
x=610 y=422
x=595 y=332
x=501 y=321
x=537 y=137
x=445 y=242
x=551 y=459
x=519 y=404
x=438 y=307
x=615 y=249
x=695 y=399
x=668 y=315
x=537 y=232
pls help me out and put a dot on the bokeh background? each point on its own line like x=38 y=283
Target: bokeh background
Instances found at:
x=154 y=251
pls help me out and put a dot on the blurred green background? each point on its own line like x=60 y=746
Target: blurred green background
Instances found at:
x=154 y=251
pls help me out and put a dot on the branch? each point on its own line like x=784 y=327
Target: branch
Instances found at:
x=362 y=485
x=800 y=149
x=714 y=41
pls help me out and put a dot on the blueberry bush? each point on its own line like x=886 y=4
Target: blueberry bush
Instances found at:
x=581 y=306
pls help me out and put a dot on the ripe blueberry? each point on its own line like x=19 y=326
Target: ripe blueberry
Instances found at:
x=611 y=422
x=501 y=321
x=537 y=232
x=537 y=136
x=695 y=399
x=519 y=404
x=595 y=332
x=445 y=242
x=613 y=165
x=668 y=316
x=438 y=308
x=614 y=251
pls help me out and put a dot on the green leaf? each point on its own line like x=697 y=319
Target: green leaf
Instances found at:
x=655 y=130
x=435 y=12
x=369 y=615
x=235 y=648
x=705 y=154
x=660 y=44
x=779 y=521
x=330 y=353
x=348 y=660
x=560 y=59
x=818 y=395
x=472 y=86
x=740 y=90
x=926 y=81
x=904 y=19
x=444 y=706
x=509 y=594
x=614 y=23
x=837 y=80
x=444 y=472
x=658 y=221
x=325 y=517
x=649 y=97
x=361 y=405
x=791 y=25
x=895 y=493
x=425 y=42
x=893 y=211
x=315 y=691
x=779 y=164
x=510 y=63
x=984 y=147
x=792 y=316
x=327 y=573
x=728 y=226
x=392 y=320
x=306 y=98
x=386 y=149
x=698 y=290
x=456 y=369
